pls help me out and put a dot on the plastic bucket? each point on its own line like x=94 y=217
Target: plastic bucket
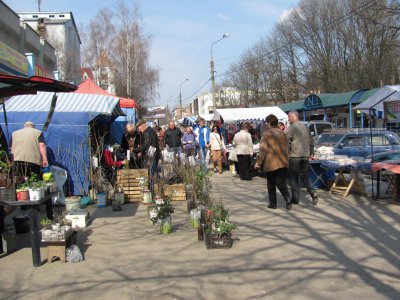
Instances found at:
x=72 y=203
x=21 y=224
x=34 y=195
x=101 y=200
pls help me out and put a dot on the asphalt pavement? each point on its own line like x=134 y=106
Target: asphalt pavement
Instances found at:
x=340 y=249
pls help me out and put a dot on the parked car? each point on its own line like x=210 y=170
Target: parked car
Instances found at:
x=358 y=142
x=318 y=127
x=383 y=156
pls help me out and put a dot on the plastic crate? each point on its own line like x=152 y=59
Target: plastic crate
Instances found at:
x=213 y=241
x=8 y=194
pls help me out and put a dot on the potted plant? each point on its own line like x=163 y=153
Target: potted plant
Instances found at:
x=22 y=191
x=163 y=217
x=5 y=168
x=218 y=233
x=46 y=223
x=34 y=187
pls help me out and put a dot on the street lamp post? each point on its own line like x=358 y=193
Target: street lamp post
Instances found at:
x=180 y=96
x=226 y=35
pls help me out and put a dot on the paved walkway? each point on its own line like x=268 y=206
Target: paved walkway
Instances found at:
x=341 y=249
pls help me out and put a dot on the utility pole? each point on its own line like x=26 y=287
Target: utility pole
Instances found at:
x=39 y=2
x=226 y=35
x=180 y=96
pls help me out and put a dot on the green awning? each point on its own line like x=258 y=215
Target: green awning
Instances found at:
x=296 y=105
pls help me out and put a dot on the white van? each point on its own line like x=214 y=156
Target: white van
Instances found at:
x=318 y=127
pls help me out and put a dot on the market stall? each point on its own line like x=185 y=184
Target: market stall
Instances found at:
x=392 y=169
x=67 y=136
x=349 y=177
x=231 y=115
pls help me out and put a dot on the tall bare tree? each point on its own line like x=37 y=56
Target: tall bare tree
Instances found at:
x=326 y=46
x=116 y=39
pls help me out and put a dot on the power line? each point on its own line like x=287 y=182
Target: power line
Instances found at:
x=339 y=20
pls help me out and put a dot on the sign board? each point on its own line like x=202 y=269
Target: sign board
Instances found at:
x=392 y=110
x=12 y=62
x=40 y=71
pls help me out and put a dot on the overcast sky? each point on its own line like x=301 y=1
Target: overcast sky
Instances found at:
x=182 y=33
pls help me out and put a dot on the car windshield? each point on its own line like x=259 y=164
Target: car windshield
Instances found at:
x=323 y=127
x=329 y=139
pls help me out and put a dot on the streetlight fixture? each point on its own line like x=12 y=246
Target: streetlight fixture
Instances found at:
x=180 y=96
x=226 y=35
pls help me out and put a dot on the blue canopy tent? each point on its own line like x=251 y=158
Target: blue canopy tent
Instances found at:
x=68 y=135
x=118 y=126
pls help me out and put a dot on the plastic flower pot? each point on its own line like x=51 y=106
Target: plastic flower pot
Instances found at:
x=165 y=226
x=22 y=195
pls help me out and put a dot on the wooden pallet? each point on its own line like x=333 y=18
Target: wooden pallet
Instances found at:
x=177 y=190
x=128 y=180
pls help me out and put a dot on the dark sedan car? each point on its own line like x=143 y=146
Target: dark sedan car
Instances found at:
x=360 y=143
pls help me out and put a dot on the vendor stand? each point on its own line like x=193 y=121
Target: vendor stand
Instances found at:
x=15 y=85
x=344 y=183
x=34 y=221
x=318 y=175
x=393 y=168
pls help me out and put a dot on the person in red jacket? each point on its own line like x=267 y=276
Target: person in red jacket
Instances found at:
x=113 y=160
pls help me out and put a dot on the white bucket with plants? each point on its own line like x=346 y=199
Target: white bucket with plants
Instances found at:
x=195 y=217
x=34 y=194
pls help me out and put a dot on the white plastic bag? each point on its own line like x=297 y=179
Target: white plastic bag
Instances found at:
x=168 y=156
x=151 y=151
x=192 y=161
x=232 y=155
x=74 y=254
x=60 y=177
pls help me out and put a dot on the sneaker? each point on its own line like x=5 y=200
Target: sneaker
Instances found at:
x=314 y=198
x=288 y=205
x=215 y=170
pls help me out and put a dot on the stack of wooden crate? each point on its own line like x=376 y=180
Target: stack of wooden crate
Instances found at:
x=128 y=180
x=177 y=191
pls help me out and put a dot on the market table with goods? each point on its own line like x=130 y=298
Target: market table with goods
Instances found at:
x=349 y=171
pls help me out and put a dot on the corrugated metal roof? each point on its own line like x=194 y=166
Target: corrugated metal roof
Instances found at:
x=296 y=105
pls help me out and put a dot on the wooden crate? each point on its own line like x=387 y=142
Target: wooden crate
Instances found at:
x=177 y=190
x=128 y=180
x=131 y=173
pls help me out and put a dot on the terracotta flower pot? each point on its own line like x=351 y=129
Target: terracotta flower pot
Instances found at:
x=22 y=195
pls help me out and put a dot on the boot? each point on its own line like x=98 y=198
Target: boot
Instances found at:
x=288 y=205
x=314 y=197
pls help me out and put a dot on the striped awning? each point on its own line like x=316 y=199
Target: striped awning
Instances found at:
x=66 y=102
x=188 y=121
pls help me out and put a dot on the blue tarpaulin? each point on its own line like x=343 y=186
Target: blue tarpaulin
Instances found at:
x=67 y=136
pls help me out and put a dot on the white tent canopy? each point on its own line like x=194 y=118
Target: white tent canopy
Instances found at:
x=207 y=117
x=249 y=114
x=375 y=102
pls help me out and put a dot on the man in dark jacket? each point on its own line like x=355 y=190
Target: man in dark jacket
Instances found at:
x=173 y=139
x=149 y=149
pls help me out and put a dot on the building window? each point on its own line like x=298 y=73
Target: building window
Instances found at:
x=35 y=16
x=61 y=16
x=51 y=16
